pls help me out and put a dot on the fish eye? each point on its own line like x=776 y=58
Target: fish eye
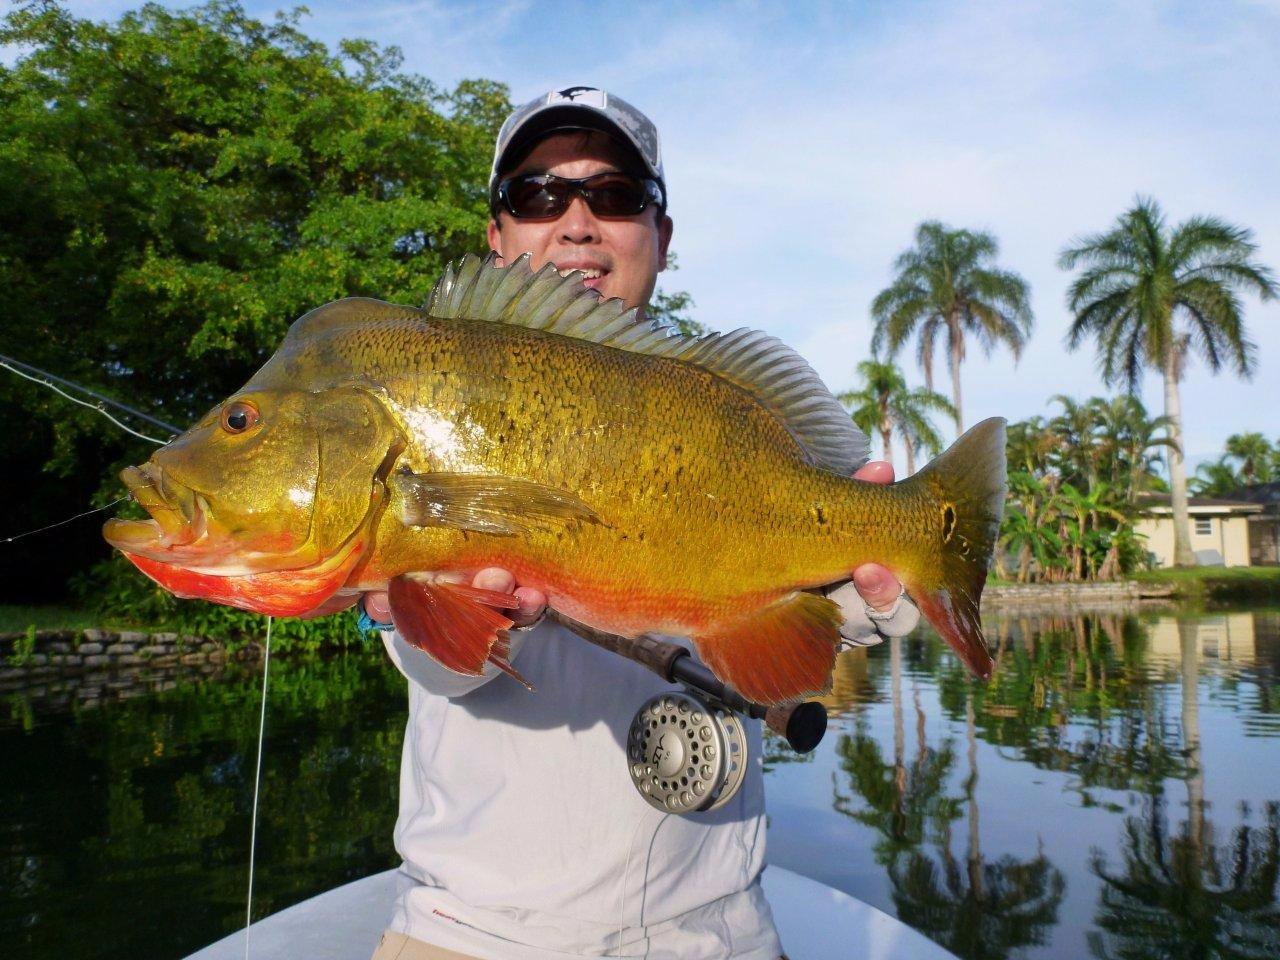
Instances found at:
x=238 y=416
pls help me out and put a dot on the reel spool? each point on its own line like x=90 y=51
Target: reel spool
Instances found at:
x=686 y=753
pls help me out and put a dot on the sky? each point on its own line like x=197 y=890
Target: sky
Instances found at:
x=804 y=143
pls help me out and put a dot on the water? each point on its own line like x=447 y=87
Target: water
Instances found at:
x=1082 y=804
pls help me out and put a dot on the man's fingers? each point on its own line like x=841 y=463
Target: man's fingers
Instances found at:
x=495 y=579
x=378 y=606
x=875 y=471
x=876 y=585
x=533 y=602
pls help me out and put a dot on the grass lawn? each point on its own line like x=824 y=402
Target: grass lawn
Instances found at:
x=1218 y=583
x=16 y=619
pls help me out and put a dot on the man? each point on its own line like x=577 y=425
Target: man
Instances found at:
x=521 y=833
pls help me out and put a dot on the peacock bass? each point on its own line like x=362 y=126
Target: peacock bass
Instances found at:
x=643 y=480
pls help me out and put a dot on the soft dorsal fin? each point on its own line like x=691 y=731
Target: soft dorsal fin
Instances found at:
x=348 y=313
x=763 y=365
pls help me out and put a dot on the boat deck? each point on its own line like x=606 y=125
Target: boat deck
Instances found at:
x=815 y=922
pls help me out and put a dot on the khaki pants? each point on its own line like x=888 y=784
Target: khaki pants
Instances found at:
x=396 y=946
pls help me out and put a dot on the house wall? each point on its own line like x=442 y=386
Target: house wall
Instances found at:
x=1228 y=536
x=1159 y=534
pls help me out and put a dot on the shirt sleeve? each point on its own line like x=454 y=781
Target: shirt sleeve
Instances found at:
x=421 y=668
x=865 y=627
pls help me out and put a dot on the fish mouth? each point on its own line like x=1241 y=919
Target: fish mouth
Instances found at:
x=178 y=514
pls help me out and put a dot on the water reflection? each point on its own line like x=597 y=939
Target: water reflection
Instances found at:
x=124 y=827
x=1108 y=708
x=1112 y=791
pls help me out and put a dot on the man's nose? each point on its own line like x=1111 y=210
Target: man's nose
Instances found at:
x=578 y=224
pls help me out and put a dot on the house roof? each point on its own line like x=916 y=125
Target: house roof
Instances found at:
x=1161 y=503
x=1266 y=493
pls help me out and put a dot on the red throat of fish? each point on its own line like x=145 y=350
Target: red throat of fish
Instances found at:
x=279 y=593
x=181 y=535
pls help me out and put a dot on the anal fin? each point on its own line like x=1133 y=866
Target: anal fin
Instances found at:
x=460 y=627
x=784 y=652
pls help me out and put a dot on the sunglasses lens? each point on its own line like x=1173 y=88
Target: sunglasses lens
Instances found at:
x=536 y=198
x=615 y=195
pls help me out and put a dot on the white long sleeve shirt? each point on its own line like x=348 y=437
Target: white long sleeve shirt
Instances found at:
x=523 y=837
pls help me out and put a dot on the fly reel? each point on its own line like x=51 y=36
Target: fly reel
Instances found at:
x=686 y=753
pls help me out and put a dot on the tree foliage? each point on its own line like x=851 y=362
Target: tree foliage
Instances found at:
x=1075 y=483
x=948 y=286
x=180 y=186
x=884 y=404
x=1150 y=295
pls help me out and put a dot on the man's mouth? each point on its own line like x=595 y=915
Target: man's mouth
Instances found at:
x=592 y=276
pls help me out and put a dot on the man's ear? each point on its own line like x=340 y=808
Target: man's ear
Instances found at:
x=494 y=233
x=664 y=241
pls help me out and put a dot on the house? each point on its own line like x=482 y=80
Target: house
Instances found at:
x=1264 y=527
x=1219 y=529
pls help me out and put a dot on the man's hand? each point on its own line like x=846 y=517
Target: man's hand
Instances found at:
x=533 y=602
x=874 y=583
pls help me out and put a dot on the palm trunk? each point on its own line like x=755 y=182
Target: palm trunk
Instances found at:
x=957 y=345
x=1182 y=555
x=971 y=794
x=886 y=435
x=911 y=458
x=1190 y=662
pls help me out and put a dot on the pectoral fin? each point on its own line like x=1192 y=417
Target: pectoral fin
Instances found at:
x=784 y=652
x=458 y=626
x=485 y=503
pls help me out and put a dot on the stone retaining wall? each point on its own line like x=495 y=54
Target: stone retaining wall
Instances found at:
x=58 y=668
x=49 y=653
x=1074 y=595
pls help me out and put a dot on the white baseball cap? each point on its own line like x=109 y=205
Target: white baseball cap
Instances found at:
x=579 y=108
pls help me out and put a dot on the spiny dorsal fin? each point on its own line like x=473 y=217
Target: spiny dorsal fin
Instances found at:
x=763 y=365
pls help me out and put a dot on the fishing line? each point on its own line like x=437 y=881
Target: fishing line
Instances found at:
x=19 y=536
x=622 y=911
x=47 y=380
x=257 y=782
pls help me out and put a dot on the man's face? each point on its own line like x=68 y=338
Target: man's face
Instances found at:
x=626 y=252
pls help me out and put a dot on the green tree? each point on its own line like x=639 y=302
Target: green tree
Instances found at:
x=947 y=284
x=885 y=404
x=1215 y=478
x=1150 y=295
x=1256 y=456
x=180 y=186
x=673 y=308
x=1129 y=439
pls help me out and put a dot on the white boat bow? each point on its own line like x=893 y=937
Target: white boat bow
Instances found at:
x=815 y=922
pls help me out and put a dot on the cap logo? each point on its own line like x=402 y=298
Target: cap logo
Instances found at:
x=586 y=96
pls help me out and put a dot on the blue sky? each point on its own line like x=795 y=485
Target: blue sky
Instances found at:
x=804 y=143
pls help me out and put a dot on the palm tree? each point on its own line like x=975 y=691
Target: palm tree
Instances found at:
x=1255 y=454
x=1150 y=295
x=1075 y=427
x=1128 y=436
x=947 y=283
x=885 y=404
x=1215 y=478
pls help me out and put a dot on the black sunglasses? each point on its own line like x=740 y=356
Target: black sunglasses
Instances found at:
x=544 y=196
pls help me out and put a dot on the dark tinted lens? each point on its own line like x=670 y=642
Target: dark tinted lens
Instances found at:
x=615 y=194
x=536 y=197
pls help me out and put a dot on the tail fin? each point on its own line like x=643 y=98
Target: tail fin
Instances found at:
x=968 y=483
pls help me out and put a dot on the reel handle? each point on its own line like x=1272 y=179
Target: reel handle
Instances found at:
x=802 y=725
